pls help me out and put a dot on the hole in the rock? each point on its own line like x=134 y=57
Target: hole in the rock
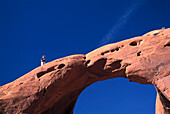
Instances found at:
x=112 y=50
x=44 y=72
x=50 y=69
x=117 y=49
x=138 y=54
x=168 y=44
x=87 y=62
x=61 y=66
x=116 y=64
x=105 y=52
x=84 y=57
x=21 y=83
x=134 y=43
x=110 y=96
x=41 y=74
x=156 y=33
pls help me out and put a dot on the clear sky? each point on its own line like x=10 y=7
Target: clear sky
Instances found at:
x=58 y=28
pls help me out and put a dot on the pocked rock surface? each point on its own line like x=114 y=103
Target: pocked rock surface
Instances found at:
x=54 y=87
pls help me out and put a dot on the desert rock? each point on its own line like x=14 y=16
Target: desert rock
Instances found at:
x=55 y=86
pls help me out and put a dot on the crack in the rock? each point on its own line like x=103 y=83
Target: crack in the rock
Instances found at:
x=166 y=103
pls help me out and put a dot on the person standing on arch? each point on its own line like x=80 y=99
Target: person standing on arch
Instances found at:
x=43 y=60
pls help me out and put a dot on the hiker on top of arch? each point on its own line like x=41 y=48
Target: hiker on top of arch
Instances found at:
x=43 y=60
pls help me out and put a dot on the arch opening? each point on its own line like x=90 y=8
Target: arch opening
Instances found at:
x=117 y=96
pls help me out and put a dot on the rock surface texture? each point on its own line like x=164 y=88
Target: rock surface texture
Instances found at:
x=54 y=87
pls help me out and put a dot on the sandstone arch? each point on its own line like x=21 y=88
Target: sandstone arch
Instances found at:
x=55 y=86
x=116 y=96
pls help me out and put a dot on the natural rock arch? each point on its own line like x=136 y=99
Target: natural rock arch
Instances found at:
x=116 y=96
x=55 y=86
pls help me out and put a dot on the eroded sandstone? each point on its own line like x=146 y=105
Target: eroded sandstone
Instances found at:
x=55 y=86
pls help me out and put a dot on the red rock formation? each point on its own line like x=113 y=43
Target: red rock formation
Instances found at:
x=55 y=86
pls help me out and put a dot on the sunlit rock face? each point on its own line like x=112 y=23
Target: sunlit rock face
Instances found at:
x=55 y=86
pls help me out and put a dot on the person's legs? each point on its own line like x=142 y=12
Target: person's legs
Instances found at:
x=41 y=63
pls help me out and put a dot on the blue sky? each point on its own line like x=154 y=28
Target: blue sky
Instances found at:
x=58 y=28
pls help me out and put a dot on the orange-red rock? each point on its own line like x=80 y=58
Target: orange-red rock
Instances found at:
x=55 y=86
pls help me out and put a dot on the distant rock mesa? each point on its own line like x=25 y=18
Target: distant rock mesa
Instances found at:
x=54 y=87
